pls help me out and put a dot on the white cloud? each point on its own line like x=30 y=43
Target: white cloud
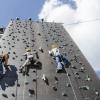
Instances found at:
x=48 y=7
x=86 y=35
x=58 y=12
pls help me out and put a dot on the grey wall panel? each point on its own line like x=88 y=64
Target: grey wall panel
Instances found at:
x=71 y=84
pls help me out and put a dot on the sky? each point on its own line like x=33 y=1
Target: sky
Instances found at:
x=10 y=9
x=86 y=35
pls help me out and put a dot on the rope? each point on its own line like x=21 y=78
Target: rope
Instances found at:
x=72 y=87
x=85 y=21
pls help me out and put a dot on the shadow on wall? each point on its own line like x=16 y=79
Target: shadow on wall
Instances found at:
x=9 y=78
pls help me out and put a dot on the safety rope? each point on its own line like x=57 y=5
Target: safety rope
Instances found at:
x=72 y=87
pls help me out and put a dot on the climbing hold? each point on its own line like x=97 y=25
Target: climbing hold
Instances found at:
x=26 y=83
x=8 y=52
x=46 y=40
x=82 y=69
x=74 y=67
x=13 y=58
x=84 y=87
x=78 y=77
x=5 y=95
x=64 y=94
x=14 y=52
x=21 y=59
x=31 y=92
x=54 y=88
x=65 y=44
x=8 y=43
x=80 y=63
x=34 y=71
x=56 y=78
x=68 y=74
x=13 y=94
x=18 y=85
x=40 y=49
x=30 y=19
x=71 y=45
x=17 y=18
x=3 y=39
x=88 y=78
x=68 y=85
x=44 y=78
x=16 y=56
x=34 y=80
x=76 y=73
x=39 y=34
x=17 y=39
x=37 y=56
x=4 y=46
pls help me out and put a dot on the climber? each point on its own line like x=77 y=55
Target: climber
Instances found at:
x=60 y=60
x=29 y=61
x=5 y=58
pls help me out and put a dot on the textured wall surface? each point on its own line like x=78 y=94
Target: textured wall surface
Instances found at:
x=77 y=81
x=1 y=31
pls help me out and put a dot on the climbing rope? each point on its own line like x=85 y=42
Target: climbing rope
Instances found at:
x=72 y=87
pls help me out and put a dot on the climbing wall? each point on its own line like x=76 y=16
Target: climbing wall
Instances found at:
x=77 y=81
x=1 y=31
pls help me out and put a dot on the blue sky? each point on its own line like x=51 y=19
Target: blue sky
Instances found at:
x=19 y=8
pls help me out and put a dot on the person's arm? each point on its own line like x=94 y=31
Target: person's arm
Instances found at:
x=50 y=52
x=25 y=54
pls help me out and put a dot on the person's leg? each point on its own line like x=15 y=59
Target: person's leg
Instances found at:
x=1 y=69
x=6 y=63
x=25 y=63
x=27 y=70
x=64 y=60
x=59 y=64
x=22 y=68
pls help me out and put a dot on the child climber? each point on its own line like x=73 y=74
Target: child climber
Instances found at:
x=28 y=61
x=54 y=52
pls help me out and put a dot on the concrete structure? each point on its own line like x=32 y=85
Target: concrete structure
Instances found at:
x=78 y=81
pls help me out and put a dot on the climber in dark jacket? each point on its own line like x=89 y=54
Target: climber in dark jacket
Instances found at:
x=1 y=67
